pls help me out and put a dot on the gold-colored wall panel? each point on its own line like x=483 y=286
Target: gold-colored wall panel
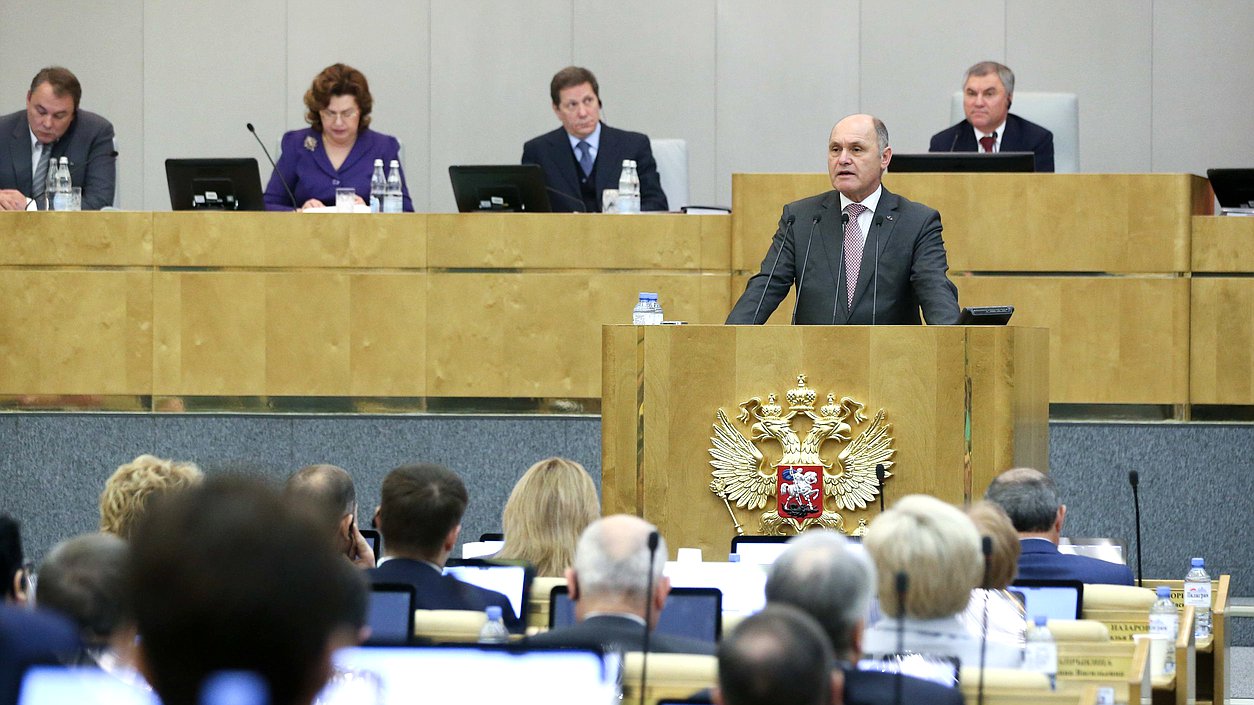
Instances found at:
x=579 y=241
x=210 y=333
x=539 y=334
x=1113 y=340
x=188 y=239
x=1222 y=360
x=1223 y=244
x=75 y=332
x=388 y=320
x=83 y=239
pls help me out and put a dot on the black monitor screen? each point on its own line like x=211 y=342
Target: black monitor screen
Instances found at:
x=693 y=613
x=1052 y=599
x=391 y=614
x=214 y=184
x=517 y=188
x=963 y=162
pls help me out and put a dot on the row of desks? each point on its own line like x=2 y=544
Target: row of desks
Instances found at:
x=1148 y=299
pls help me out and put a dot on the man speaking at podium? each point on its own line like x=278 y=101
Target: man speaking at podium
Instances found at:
x=860 y=254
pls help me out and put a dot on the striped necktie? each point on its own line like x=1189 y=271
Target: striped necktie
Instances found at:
x=39 y=182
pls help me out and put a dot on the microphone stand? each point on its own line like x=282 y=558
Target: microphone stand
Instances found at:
x=648 y=614
x=1134 y=479
x=902 y=584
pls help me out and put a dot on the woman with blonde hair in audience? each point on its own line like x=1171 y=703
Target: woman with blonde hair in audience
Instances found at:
x=992 y=601
x=937 y=550
x=550 y=506
x=132 y=486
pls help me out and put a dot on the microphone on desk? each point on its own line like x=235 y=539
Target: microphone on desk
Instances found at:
x=274 y=166
x=577 y=201
x=770 y=277
x=986 y=547
x=1134 y=479
x=880 y=474
x=840 y=266
x=648 y=614
x=954 y=144
x=875 y=278
x=802 y=278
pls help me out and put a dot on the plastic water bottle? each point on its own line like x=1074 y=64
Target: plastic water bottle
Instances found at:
x=635 y=188
x=628 y=188
x=647 y=312
x=494 y=631
x=1197 y=593
x=378 y=187
x=655 y=310
x=1040 y=653
x=1164 y=621
x=61 y=194
x=393 y=200
x=50 y=184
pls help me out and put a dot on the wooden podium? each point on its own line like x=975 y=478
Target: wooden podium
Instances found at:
x=961 y=405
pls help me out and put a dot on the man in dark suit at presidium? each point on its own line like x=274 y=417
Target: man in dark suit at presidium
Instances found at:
x=987 y=93
x=585 y=156
x=859 y=254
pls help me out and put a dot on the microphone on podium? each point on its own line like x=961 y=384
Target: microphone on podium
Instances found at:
x=802 y=277
x=770 y=277
x=274 y=166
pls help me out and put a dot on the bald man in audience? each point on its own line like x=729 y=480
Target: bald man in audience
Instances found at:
x=609 y=584
x=328 y=490
x=1031 y=500
x=827 y=577
x=779 y=655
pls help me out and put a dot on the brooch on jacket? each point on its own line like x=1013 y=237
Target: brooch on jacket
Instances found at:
x=310 y=143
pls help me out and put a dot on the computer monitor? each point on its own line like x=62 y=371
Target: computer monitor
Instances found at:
x=517 y=188
x=985 y=315
x=1052 y=599
x=1234 y=189
x=962 y=162
x=391 y=613
x=214 y=184
x=762 y=550
x=373 y=538
x=743 y=584
x=57 y=685
x=510 y=578
x=693 y=613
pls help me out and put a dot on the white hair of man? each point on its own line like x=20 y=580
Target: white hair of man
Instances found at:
x=823 y=576
x=612 y=557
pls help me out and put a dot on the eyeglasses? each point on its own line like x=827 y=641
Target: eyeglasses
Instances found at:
x=332 y=116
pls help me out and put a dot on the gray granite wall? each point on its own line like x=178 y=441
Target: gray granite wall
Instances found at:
x=1197 y=480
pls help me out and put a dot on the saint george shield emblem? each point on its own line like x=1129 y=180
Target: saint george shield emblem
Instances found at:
x=801 y=480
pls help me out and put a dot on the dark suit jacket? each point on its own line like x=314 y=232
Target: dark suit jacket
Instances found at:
x=561 y=172
x=1021 y=136
x=442 y=592
x=617 y=633
x=88 y=144
x=28 y=638
x=912 y=267
x=1041 y=560
x=875 y=688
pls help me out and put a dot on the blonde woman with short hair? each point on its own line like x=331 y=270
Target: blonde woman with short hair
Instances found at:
x=132 y=486
x=550 y=506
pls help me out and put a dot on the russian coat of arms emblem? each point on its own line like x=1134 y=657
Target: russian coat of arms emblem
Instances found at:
x=802 y=482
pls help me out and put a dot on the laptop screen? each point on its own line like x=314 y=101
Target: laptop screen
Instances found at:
x=743 y=584
x=694 y=613
x=1052 y=599
x=391 y=614
x=512 y=580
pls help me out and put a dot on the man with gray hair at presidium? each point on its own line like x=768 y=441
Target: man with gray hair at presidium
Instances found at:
x=826 y=576
x=609 y=586
x=1031 y=500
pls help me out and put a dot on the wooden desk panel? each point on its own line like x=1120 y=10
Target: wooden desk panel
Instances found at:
x=1221 y=366
x=1223 y=243
x=1112 y=340
x=116 y=239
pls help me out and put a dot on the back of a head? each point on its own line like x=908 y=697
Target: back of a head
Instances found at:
x=326 y=489
x=612 y=558
x=132 y=486
x=991 y=521
x=228 y=576
x=10 y=556
x=419 y=506
x=1029 y=498
x=822 y=577
x=551 y=504
x=83 y=578
x=779 y=655
x=938 y=549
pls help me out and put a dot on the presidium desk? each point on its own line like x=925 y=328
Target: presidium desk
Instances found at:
x=1148 y=300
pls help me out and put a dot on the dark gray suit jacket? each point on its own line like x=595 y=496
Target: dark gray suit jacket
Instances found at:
x=1021 y=136
x=552 y=152
x=88 y=144
x=609 y=631
x=911 y=267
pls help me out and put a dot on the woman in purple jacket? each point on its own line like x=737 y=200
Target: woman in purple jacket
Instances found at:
x=337 y=150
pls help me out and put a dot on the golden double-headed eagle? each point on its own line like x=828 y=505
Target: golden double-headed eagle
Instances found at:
x=742 y=474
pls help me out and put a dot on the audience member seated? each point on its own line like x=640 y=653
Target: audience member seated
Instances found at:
x=83 y=579
x=992 y=602
x=937 y=549
x=229 y=576
x=609 y=586
x=779 y=655
x=1031 y=500
x=552 y=503
x=819 y=575
x=328 y=490
x=420 y=518
x=27 y=637
x=129 y=490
